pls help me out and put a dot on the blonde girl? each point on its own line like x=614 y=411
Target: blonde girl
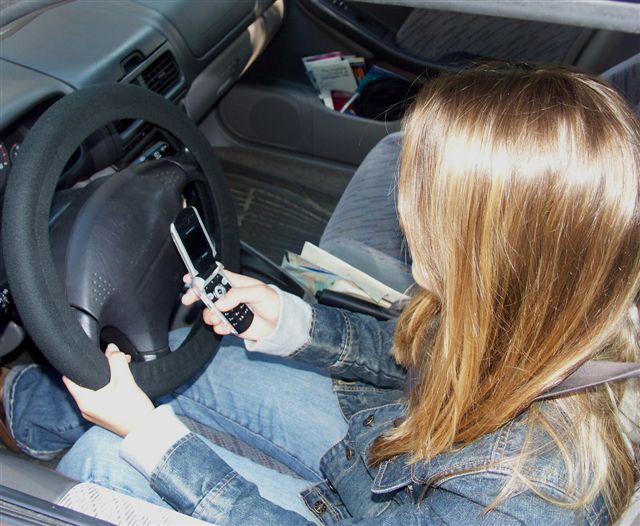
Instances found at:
x=518 y=196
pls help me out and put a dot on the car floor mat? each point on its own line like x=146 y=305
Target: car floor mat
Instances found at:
x=274 y=218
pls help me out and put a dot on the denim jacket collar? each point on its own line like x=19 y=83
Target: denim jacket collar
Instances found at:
x=397 y=472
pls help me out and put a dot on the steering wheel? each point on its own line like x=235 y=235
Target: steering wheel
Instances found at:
x=107 y=265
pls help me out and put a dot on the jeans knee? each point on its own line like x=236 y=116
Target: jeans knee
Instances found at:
x=93 y=457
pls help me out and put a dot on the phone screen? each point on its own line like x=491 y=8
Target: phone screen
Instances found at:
x=199 y=250
x=195 y=242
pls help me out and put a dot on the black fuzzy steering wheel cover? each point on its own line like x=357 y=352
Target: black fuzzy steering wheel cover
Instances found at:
x=37 y=288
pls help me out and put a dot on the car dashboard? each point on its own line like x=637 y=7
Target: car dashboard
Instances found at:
x=188 y=52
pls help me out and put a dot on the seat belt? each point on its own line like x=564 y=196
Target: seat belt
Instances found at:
x=592 y=373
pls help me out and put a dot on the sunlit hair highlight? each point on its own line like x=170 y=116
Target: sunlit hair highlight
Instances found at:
x=518 y=196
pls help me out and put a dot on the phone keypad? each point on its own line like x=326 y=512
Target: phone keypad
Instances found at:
x=241 y=316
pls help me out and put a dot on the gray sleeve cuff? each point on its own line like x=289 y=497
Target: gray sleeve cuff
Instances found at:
x=146 y=445
x=292 y=330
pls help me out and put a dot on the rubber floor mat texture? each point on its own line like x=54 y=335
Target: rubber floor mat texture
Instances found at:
x=274 y=219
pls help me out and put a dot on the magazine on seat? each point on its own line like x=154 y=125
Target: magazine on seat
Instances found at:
x=317 y=270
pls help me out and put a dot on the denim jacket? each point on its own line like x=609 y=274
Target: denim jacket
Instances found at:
x=453 y=488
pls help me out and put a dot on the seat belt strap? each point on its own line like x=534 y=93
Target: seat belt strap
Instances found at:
x=592 y=373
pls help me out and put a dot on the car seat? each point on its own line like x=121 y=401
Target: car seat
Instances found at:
x=364 y=229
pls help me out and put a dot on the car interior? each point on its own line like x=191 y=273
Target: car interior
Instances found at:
x=115 y=114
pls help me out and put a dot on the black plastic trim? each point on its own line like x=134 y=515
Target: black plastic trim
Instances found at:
x=343 y=301
x=255 y=263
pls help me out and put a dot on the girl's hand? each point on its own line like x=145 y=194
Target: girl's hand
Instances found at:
x=263 y=301
x=120 y=404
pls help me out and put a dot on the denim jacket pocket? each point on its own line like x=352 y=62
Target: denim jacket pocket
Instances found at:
x=355 y=396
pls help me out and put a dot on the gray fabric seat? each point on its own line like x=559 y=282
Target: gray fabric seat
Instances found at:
x=364 y=229
x=626 y=77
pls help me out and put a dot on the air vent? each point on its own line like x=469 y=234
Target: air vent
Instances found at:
x=162 y=74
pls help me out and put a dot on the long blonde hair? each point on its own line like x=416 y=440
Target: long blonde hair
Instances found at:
x=518 y=196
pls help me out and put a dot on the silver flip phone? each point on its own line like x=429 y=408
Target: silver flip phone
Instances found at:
x=208 y=278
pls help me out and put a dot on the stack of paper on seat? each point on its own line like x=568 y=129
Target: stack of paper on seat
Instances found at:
x=315 y=269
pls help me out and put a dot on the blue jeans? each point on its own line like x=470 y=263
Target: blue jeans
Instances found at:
x=288 y=411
